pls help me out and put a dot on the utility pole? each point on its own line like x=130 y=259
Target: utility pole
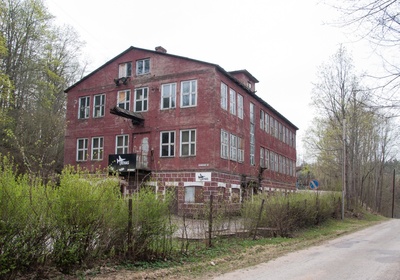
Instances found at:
x=344 y=167
x=394 y=180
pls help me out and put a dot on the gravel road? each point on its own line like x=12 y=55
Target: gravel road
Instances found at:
x=373 y=253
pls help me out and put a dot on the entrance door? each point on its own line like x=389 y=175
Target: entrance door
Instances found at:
x=141 y=146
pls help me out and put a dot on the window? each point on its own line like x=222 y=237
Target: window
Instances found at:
x=82 y=149
x=294 y=140
x=167 y=144
x=262 y=163
x=124 y=99
x=276 y=163
x=168 y=96
x=232 y=101
x=188 y=142
x=252 y=138
x=240 y=106
x=233 y=147
x=262 y=119
x=272 y=160
x=143 y=66
x=284 y=134
x=224 y=96
x=240 y=149
x=188 y=93
x=266 y=159
x=235 y=194
x=121 y=144
x=266 y=121
x=97 y=148
x=271 y=126
x=141 y=99
x=125 y=70
x=252 y=113
x=99 y=105
x=194 y=194
x=84 y=107
x=224 y=144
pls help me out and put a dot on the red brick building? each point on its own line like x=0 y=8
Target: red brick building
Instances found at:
x=186 y=125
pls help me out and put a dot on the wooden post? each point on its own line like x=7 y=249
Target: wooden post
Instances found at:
x=259 y=218
x=130 y=215
x=210 y=221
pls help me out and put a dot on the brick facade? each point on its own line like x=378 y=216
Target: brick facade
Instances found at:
x=179 y=124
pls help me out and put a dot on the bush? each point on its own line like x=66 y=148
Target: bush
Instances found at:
x=83 y=219
x=285 y=213
x=24 y=224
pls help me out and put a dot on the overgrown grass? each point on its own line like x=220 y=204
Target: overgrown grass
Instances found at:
x=229 y=254
x=84 y=222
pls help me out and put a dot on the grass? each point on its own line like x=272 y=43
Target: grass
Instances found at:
x=229 y=254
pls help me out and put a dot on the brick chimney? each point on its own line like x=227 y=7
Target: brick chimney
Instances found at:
x=161 y=49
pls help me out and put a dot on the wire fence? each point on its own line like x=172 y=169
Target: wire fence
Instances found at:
x=64 y=230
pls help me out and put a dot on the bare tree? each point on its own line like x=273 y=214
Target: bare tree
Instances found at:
x=377 y=21
x=338 y=95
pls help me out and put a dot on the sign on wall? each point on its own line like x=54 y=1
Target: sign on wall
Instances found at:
x=122 y=162
x=203 y=176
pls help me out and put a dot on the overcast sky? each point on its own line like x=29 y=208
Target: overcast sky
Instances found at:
x=281 y=43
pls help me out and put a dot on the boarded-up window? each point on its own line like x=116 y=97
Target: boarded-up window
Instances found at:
x=194 y=194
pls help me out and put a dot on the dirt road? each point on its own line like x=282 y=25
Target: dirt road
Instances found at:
x=373 y=253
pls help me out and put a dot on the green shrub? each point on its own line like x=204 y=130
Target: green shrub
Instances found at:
x=285 y=213
x=24 y=224
x=83 y=213
x=152 y=228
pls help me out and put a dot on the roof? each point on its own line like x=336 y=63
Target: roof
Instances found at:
x=219 y=68
x=247 y=73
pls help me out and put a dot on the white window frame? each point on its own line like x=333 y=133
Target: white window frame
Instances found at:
x=240 y=150
x=170 y=144
x=190 y=192
x=266 y=122
x=224 y=144
x=99 y=109
x=84 y=109
x=97 y=150
x=190 y=144
x=266 y=165
x=262 y=160
x=143 y=100
x=262 y=119
x=143 y=66
x=232 y=101
x=252 y=135
x=123 y=99
x=272 y=160
x=168 y=92
x=190 y=95
x=125 y=70
x=82 y=153
x=124 y=146
x=233 y=144
x=240 y=106
x=224 y=96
